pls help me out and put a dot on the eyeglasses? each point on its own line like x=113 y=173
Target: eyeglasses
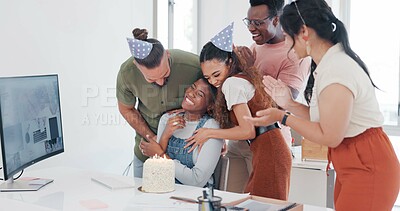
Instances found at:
x=256 y=23
x=298 y=12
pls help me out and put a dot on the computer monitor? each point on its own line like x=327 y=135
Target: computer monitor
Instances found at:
x=30 y=126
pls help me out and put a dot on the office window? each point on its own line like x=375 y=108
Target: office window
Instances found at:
x=375 y=36
x=177 y=24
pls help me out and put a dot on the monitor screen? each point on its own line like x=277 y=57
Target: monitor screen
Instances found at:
x=30 y=121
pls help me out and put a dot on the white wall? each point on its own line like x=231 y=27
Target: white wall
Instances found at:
x=84 y=42
x=216 y=15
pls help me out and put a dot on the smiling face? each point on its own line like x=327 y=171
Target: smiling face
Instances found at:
x=197 y=97
x=215 y=71
x=266 y=30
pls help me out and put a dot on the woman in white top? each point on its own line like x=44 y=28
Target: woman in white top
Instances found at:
x=342 y=111
x=195 y=167
x=240 y=93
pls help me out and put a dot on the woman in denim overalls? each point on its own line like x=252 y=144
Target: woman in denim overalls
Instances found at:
x=195 y=168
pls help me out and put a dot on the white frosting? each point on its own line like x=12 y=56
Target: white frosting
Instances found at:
x=158 y=175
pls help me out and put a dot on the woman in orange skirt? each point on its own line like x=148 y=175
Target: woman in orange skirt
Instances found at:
x=342 y=112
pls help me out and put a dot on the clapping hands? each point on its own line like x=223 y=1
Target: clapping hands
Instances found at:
x=278 y=91
x=245 y=55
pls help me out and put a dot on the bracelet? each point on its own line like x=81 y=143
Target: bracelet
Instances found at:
x=285 y=118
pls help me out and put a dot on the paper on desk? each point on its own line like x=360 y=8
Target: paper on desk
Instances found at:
x=93 y=204
x=35 y=180
x=39 y=181
x=28 y=178
x=254 y=205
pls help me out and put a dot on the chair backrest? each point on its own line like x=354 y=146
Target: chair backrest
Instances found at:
x=221 y=173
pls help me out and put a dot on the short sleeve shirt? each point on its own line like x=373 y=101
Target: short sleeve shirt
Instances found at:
x=280 y=62
x=152 y=100
x=337 y=67
x=237 y=91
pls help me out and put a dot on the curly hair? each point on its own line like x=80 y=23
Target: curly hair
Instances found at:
x=236 y=65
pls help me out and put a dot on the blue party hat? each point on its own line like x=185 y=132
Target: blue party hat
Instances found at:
x=139 y=49
x=223 y=40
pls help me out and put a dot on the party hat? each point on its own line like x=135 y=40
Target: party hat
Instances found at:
x=139 y=49
x=223 y=40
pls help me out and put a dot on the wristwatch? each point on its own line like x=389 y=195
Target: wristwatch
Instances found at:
x=285 y=118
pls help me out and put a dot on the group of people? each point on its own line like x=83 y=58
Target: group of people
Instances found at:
x=188 y=105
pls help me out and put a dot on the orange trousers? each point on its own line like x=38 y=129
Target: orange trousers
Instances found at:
x=368 y=172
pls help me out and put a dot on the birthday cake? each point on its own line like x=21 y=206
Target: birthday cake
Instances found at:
x=158 y=175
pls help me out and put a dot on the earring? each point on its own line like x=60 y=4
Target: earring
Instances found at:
x=308 y=48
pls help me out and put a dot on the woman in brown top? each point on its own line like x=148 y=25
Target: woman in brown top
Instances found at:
x=240 y=93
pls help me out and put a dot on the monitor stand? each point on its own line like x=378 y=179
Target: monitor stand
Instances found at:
x=33 y=184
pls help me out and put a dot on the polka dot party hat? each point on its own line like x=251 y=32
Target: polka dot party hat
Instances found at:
x=223 y=40
x=139 y=49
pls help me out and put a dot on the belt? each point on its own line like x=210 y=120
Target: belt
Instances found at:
x=262 y=129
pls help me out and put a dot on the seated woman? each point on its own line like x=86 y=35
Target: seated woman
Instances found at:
x=195 y=168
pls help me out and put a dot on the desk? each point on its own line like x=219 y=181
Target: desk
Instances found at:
x=72 y=186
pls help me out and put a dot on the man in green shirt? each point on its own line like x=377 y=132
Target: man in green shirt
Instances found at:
x=155 y=79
